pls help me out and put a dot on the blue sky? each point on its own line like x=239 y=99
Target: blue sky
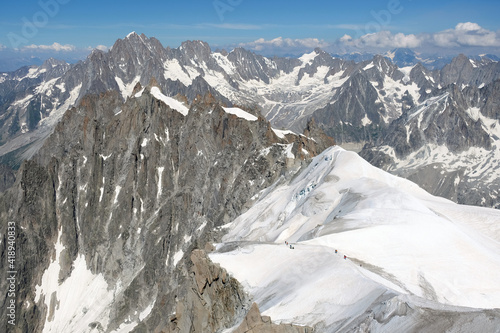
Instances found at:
x=72 y=27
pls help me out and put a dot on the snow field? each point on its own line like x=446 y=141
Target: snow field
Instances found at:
x=241 y=114
x=305 y=285
x=171 y=102
x=407 y=241
x=126 y=89
x=81 y=299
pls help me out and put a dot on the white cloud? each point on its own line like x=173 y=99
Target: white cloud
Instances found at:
x=468 y=26
x=2 y=47
x=466 y=34
x=102 y=47
x=345 y=39
x=467 y=37
x=384 y=40
x=284 y=45
x=54 y=47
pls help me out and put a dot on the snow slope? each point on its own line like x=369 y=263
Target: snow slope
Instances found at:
x=81 y=299
x=171 y=102
x=398 y=239
x=241 y=114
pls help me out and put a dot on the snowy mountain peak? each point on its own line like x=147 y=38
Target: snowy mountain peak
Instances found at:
x=308 y=58
x=132 y=34
x=343 y=233
x=51 y=62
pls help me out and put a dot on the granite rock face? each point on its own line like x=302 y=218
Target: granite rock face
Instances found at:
x=350 y=117
x=255 y=323
x=117 y=201
x=214 y=299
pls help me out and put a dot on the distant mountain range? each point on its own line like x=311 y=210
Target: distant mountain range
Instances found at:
x=356 y=102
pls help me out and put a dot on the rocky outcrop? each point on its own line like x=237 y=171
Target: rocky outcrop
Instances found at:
x=323 y=141
x=214 y=300
x=254 y=322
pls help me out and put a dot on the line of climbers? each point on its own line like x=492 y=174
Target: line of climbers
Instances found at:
x=293 y=247
x=345 y=257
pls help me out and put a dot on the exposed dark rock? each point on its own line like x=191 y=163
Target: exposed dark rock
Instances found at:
x=134 y=187
x=7 y=177
x=354 y=116
x=214 y=300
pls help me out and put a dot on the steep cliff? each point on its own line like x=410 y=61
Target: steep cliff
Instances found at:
x=110 y=209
